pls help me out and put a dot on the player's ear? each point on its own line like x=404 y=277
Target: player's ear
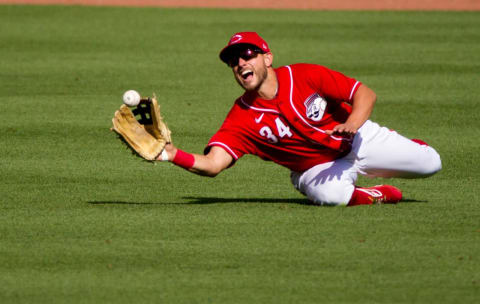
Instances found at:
x=268 y=59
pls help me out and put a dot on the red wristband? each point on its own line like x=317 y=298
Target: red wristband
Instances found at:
x=183 y=159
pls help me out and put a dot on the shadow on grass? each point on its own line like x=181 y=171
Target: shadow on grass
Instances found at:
x=222 y=200
x=408 y=201
x=211 y=200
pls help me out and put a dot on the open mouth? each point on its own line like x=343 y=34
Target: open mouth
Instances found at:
x=246 y=74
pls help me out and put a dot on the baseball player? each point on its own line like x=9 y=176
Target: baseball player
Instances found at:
x=312 y=120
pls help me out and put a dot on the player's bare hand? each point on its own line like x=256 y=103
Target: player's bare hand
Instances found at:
x=345 y=129
x=170 y=151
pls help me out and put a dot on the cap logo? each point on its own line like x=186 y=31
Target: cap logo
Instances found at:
x=235 y=39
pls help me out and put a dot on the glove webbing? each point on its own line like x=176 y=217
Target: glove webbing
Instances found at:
x=143 y=109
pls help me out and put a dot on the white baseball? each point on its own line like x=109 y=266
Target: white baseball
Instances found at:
x=131 y=98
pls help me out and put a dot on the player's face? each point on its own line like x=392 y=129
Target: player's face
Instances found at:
x=249 y=67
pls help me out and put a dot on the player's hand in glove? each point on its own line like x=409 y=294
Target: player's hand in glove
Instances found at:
x=143 y=129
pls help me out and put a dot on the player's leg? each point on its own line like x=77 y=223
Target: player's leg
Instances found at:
x=333 y=184
x=381 y=152
x=377 y=152
x=330 y=184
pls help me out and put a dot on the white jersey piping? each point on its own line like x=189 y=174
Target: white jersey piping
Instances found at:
x=353 y=90
x=217 y=143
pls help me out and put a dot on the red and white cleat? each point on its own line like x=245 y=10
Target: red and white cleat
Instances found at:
x=380 y=194
x=390 y=194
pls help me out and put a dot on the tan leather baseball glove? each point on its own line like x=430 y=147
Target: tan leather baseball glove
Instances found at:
x=143 y=129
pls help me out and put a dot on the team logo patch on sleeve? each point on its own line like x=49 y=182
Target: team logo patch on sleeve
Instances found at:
x=315 y=106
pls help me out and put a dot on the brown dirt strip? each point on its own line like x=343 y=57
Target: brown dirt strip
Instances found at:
x=453 y=5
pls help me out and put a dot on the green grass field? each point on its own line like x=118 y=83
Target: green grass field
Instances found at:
x=84 y=221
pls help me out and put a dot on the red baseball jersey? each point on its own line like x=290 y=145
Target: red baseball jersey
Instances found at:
x=290 y=129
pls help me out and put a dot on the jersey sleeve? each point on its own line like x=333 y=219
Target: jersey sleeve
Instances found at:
x=331 y=84
x=228 y=141
x=230 y=137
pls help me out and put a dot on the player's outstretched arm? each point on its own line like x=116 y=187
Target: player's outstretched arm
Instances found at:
x=210 y=165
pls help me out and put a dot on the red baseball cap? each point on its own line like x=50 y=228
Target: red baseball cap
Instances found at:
x=244 y=38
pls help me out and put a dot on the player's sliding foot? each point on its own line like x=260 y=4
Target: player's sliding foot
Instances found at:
x=381 y=194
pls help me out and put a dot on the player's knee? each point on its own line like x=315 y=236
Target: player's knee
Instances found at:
x=437 y=163
x=432 y=164
x=333 y=195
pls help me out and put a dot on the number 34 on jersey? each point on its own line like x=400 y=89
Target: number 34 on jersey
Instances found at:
x=282 y=130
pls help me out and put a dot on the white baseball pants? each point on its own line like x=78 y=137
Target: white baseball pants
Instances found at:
x=376 y=152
